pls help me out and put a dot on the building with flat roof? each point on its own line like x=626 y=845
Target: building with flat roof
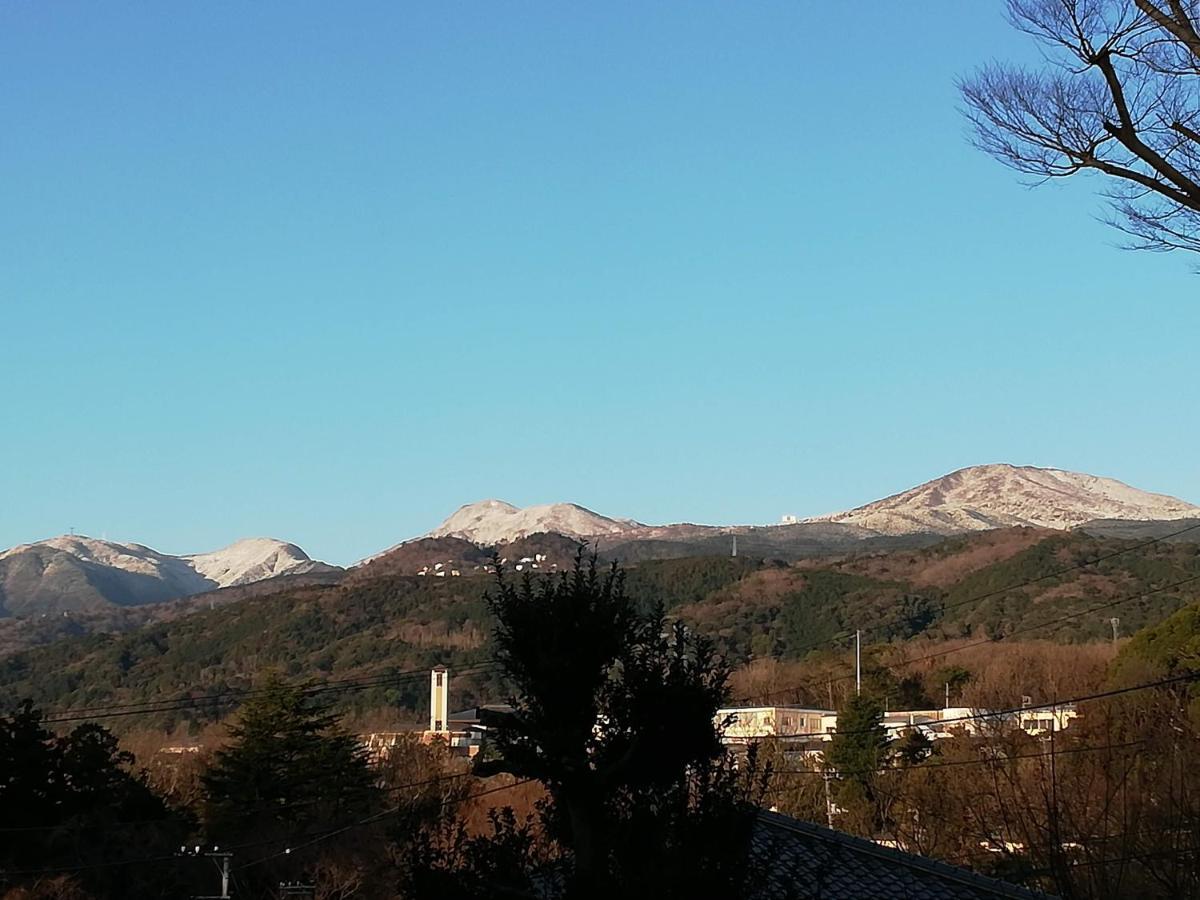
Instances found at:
x=743 y=724
x=748 y=723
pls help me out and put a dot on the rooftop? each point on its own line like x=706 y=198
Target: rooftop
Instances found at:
x=804 y=861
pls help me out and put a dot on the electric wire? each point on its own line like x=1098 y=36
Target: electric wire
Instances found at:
x=995 y=760
x=1000 y=714
x=987 y=595
x=795 y=690
x=177 y=704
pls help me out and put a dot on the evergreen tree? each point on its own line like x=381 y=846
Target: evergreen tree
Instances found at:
x=288 y=773
x=72 y=803
x=859 y=747
x=913 y=747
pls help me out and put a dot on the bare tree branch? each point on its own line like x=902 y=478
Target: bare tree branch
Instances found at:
x=1120 y=96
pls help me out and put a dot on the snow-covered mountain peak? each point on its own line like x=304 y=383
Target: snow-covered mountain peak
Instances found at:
x=250 y=559
x=71 y=571
x=92 y=549
x=1001 y=495
x=490 y=522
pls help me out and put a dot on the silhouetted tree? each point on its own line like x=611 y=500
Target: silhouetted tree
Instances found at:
x=1117 y=96
x=912 y=747
x=613 y=711
x=70 y=803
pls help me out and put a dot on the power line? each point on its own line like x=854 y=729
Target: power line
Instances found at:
x=181 y=703
x=172 y=704
x=177 y=704
x=238 y=693
x=921 y=767
x=375 y=818
x=1022 y=584
x=810 y=683
x=281 y=807
x=5 y=873
x=1002 y=713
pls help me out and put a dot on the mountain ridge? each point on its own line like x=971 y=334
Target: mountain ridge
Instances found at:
x=76 y=572
x=973 y=498
x=1002 y=495
x=981 y=583
x=496 y=521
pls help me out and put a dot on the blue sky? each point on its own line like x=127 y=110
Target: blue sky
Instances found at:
x=326 y=272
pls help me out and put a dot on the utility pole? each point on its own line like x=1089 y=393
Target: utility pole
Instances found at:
x=1054 y=823
x=857 y=663
x=221 y=859
x=735 y=545
x=1115 y=621
x=828 y=802
x=946 y=705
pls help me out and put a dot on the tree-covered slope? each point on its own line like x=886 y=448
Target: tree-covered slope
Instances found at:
x=996 y=584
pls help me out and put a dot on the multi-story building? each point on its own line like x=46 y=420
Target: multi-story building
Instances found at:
x=747 y=723
x=742 y=724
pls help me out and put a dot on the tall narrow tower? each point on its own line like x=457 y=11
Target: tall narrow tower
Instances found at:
x=439 y=699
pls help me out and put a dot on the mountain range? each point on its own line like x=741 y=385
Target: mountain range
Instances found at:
x=978 y=498
x=1013 y=583
x=75 y=573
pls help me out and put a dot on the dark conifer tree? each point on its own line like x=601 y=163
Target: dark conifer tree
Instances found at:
x=72 y=805
x=288 y=765
x=859 y=747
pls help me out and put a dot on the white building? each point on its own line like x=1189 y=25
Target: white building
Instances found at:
x=748 y=723
x=462 y=731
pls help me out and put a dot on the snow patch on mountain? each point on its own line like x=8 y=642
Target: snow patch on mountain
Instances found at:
x=249 y=560
x=490 y=522
x=1002 y=495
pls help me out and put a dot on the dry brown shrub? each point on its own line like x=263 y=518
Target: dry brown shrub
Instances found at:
x=1002 y=672
x=60 y=887
x=522 y=797
x=439 y=634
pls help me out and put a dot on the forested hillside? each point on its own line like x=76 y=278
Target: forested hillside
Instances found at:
x=994 y=584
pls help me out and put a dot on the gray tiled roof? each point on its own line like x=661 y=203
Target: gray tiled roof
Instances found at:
x=803 y=861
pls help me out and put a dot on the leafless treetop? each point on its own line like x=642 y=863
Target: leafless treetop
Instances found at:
x=1119 y=94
